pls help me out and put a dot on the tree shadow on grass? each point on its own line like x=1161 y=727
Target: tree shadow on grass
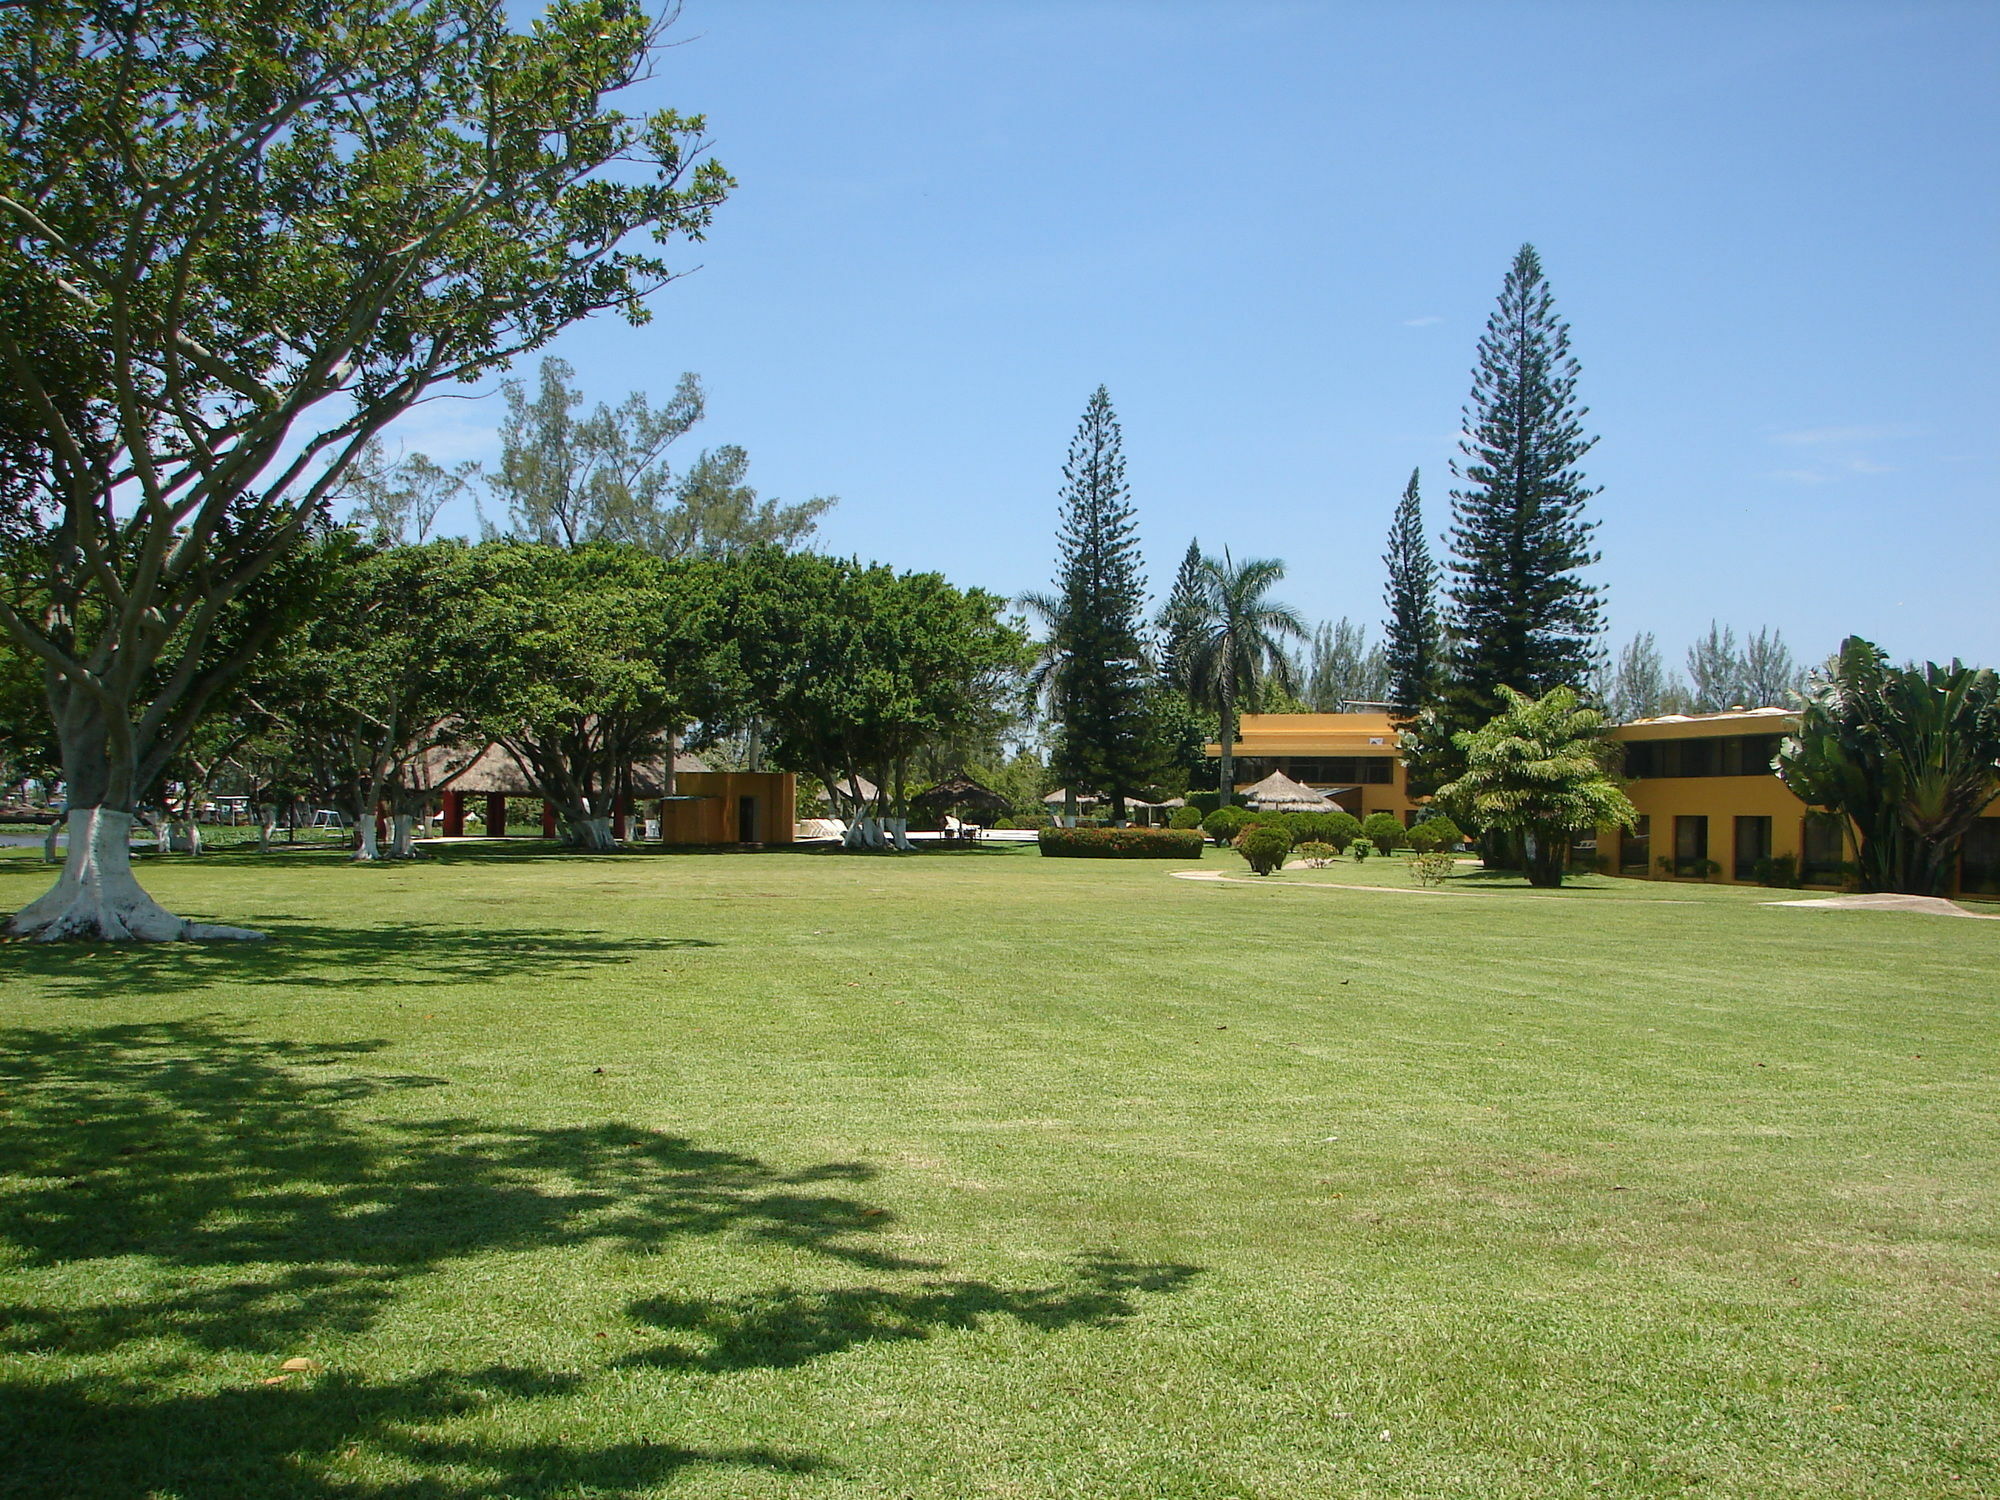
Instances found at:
x=788 y=1326
x=178 y=1201
x=337 y=958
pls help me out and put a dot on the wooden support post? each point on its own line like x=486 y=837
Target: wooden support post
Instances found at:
x=454 y=814
x=621 y=811
x=496 y=815
x=548 y=820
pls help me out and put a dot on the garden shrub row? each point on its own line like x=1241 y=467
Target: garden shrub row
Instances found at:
x=1120 y=843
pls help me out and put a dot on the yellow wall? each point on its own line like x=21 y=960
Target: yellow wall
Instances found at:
x=710 y=815
x=1722 y=800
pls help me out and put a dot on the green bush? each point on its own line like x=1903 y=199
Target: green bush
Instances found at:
x=1120 y=843
x=1338 y=828
x=1026 y=820
x=1204 y=802
x=1433 y=867
x=1385 y=831
x=1265 y=845
x=1777 y=869
x=1318 y=855
x=1450 y=835
x=1361 y=848
x=1225 y=823
x=1185 y=817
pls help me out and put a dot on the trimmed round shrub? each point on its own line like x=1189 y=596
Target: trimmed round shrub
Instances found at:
x=1318 y=855
x=1434 y=833
x=1265 y=845
x=1361 y=849
x=1185 y=817
x=1225 y=823
x=1338 y=828
x=1385 y=831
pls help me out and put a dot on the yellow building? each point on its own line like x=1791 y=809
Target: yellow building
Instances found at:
x=1709 y=806
x=1350 y=757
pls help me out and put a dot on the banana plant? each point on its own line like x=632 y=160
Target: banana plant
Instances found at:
x=1910 y=756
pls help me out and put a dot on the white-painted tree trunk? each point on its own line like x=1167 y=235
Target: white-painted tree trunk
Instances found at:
x=98 y=897
x=49 y=855
x=592 y=835
x=369 y=848
x=863 y=833
x=402 y=837
x=267 y=825
x=187 y=836
x=898 y=830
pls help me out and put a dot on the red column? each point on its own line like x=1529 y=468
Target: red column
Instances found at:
x=548 y=820
x=496 y=815
x=621 y=809
x=454 y=815
x=381 y=823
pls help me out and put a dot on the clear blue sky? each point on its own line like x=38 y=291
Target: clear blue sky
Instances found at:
x=1275 y=230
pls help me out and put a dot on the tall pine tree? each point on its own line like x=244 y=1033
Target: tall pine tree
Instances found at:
x=1180 y=619
x=1521 y=614
x=1106 y=740
x=1413 y=638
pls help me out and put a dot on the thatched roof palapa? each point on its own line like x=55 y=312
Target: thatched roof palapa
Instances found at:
x=1279 y=793
x=959 y=791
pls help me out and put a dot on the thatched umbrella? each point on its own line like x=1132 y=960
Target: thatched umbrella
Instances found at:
x=1279 y=793
x=957 y=792
x=1061 y=795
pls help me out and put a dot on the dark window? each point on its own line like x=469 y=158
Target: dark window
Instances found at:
x=1822 y=848
x=1342 y=770
x=1690 y=844
x=1635 y=848
x=1979 y=859
x=1720 y=755
x=1753 y=844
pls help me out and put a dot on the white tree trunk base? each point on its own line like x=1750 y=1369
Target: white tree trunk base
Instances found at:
x=898 y=830
x=590 y=835
x=98 y=898
x=267 y=827
x=369 y=849
x=402 y=837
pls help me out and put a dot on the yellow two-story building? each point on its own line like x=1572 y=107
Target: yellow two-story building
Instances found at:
x=1709 y=805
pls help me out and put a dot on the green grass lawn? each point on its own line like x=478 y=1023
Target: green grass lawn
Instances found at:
x=979 y=1174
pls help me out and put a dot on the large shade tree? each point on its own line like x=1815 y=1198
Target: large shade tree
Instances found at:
x=1539 y=769
x=1239 y=649
x=858 y=668
x=1909 y=756
x=595 y=657
x=240 y=237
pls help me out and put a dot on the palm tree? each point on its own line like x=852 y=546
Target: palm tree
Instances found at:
x=1238 y=644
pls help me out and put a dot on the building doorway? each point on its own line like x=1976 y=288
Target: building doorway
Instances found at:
x=746 y=820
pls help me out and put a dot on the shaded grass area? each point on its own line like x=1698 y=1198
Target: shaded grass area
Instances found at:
x=820 y=1175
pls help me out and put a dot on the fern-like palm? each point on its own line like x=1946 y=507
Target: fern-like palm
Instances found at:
x=1539 y=769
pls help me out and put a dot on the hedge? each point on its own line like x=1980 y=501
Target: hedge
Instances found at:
x=1120 y=843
